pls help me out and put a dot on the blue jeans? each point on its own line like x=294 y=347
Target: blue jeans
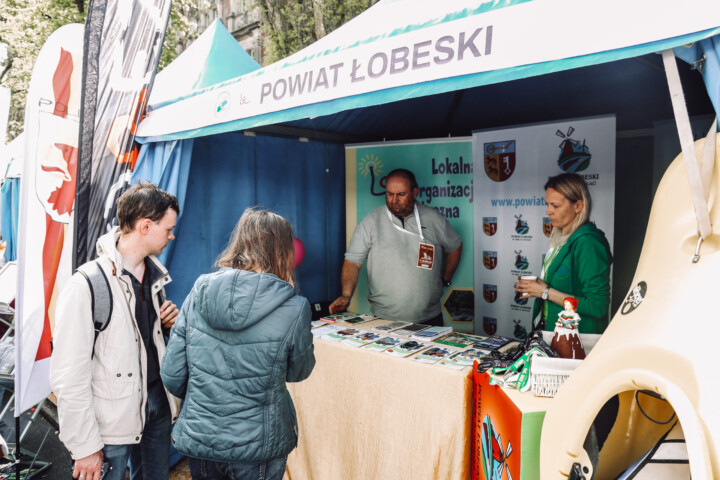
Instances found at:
x=208 y=470
x=149 y=459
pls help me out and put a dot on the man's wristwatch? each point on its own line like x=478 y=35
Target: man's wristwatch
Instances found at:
x=446 y=283
x=545 y=293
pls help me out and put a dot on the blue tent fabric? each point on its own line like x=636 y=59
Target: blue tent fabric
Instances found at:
x=302 y=181
x=166 y=164
x=213 y=58
x=9 y=202
x=705 y=54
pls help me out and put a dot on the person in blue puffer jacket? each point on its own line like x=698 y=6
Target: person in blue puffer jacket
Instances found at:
x=242 y=333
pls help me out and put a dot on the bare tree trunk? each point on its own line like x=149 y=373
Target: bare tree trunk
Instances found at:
x=318 y=6
x=8 y=66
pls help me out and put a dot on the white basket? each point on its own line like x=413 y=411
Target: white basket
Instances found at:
x=548 y=374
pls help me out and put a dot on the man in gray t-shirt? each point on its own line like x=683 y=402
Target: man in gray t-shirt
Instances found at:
x=404 y=244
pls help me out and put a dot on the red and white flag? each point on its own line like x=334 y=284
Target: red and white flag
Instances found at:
x=45 y=237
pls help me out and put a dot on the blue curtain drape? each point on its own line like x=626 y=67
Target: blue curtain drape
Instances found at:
x=167 y=165
x=302 y=181
x=9 y=202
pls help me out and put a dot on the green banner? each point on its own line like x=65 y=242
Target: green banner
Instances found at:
x=444 y=174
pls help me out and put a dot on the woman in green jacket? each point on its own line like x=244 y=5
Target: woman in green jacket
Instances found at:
x=577 y=263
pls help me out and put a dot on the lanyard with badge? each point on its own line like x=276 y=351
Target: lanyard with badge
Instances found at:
x=426 y=253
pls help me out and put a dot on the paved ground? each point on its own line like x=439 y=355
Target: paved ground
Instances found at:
x=180 y=471
x=43 y=437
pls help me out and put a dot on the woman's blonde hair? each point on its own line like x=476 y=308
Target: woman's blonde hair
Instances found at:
x=262 y=241
x=573 y=187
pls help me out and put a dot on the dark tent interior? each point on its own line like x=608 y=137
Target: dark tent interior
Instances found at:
x=301 y=175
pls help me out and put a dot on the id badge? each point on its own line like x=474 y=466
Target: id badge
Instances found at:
x=426 y=256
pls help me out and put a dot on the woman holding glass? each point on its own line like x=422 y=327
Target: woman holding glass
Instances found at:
x=578 y=262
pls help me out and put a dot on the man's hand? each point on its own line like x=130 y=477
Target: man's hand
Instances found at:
x=88 y=468
x=339 y=305
x=168 y=314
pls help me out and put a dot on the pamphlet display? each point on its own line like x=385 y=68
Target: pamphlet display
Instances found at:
x=434 y=354
x=384 y=344
x=362 y=339
x=411 y=329
x=432 y=333
x=459 y=340
x=407 y=348
x=341 y=334
x=422 y=343
x=338 y=317
x=327 y=329
x=492 y=343
x=389 y=327
x=464 y=358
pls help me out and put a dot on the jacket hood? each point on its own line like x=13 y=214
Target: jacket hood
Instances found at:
x=236 y=299
x=590 y=229
x=106 y=246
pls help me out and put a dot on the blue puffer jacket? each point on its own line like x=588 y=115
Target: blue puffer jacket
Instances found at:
x=239 y=337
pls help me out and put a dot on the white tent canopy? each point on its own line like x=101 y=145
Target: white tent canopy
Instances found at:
x=213 y=57
x=441 y=46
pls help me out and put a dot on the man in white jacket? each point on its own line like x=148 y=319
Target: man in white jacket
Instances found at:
x=112 y=405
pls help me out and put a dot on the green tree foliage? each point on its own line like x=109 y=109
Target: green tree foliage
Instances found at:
x=291 y=25
x=25 y=25
x=178 y=29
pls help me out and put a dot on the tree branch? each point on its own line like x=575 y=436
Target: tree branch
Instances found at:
x=8 y=66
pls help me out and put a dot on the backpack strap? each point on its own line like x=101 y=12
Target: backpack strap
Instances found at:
x=100 y=294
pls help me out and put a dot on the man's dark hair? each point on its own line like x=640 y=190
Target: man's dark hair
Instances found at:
x=143 y=201
x=407 y=174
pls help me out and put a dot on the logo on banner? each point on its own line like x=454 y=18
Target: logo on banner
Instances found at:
x=519 y=332
x=489 y=259
x=521 y=226
x=494 y=455
x=521 y=261
x=490 y=325
x=519 y=299
x=222 y=105
x=574 y=156
x=489 y=292
x=499 y=160
x=372 y=165
x=489 y=226
x=547 y=226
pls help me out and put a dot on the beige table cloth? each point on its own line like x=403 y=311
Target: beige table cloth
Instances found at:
x=366 y=415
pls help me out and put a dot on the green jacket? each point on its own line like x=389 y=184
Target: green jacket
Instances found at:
x=582 y=269
x=239 y=337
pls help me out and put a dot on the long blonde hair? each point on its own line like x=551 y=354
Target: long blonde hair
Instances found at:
x=573 y=187
x=262 y=241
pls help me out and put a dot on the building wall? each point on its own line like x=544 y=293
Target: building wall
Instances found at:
x=240 y=17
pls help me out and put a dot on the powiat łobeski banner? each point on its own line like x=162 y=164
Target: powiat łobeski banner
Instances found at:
x=123 y=40
x=46 y=207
